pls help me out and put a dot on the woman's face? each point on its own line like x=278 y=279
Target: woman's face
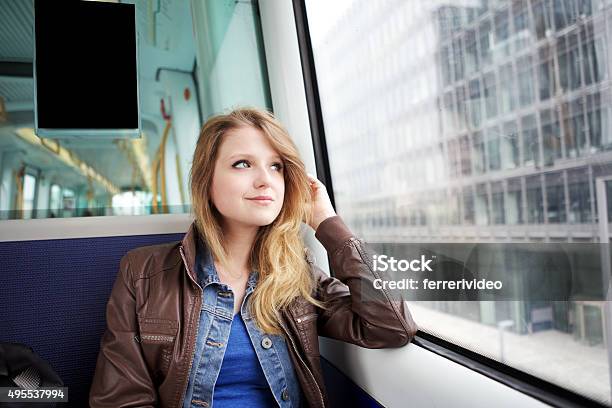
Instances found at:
x=247 y=167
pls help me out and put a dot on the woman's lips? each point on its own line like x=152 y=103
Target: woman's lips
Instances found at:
x=260 y=201
x=263 y=197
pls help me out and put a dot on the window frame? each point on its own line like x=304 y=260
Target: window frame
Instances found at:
x=531 y=385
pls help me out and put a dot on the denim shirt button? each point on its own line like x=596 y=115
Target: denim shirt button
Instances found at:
x=285 y=395
x=266 y=342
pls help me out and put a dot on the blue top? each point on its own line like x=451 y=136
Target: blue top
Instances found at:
x=234 y=363
x=241 y=381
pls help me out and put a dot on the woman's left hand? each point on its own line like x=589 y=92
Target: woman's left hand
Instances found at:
x=321 y=204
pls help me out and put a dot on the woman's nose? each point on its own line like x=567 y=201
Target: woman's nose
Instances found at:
x=263 y=177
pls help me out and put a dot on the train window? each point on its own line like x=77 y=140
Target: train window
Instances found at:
x=68 y=203
x=55 y=200
x=510 y=102
x=514 y=202
x=29 y=195
x=196 y=59
x=131 y=202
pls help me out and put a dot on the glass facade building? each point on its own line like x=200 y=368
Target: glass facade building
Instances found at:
x=478 y=122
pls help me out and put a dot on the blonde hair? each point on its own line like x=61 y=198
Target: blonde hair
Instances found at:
x=278 y=252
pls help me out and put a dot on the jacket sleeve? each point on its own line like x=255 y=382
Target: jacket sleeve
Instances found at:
x=121 y=378
x=357 y=313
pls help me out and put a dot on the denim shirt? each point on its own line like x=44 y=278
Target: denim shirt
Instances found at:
x=216 y=317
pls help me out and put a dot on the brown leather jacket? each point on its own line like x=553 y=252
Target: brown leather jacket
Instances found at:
x=146 y=352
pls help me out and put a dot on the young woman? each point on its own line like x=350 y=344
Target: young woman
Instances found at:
x=230 y=316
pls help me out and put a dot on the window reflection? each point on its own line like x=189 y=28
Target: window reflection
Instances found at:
x=535 y=201
x=479 y=153
x=514 y=202
x=482 y=205
x=516 y=130
x=468 y=205
x=531 y=145
x=55 y=200
x=196 y=59
x=490 y=94
x=508 y=89
x=509 y=147
x=555 y=198
x=525 y=80
x=497 y=203
x=493 y=145
x=579 y=196
x=29 y=195
x=551 y=136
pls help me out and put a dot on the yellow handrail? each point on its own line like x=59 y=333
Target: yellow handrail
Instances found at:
x=159 y=165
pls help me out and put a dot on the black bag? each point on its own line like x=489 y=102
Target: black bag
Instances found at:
x=21 y=367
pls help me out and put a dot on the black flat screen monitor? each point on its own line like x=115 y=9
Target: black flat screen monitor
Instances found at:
x=86 y=70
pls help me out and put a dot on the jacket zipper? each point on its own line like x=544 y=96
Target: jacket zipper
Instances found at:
x=302 y=361
x=157 y=337
x=197 y=324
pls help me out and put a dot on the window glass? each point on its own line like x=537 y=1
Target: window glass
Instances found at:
x=546 y=73
x=468 y=205
x=490 y=94
x=29 y=194
x=502 y=33
x=555 y=198
x=579 y=196
x=485 y=41
x=475 y=103
x=479 y=153
x=493 y=145
x=471 y=49
x=481 y=205
x=523 y=31
x=465 y=156
x=55 y=201
x=453 y=158
x=551 y=136
x=575 y=127
x=508 y=88
x=525 y=81
x=68 y=203
x=535 y=200
x=195 y=59
x=531 y=144
x=509 y=145
x=449 y=114
x=462 y=112
x=458 y=59
x=542 y=18
x=515 y=126
x=514 y=202
x=497 y=203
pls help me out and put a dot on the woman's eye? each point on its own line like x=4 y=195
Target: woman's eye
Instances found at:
x=279 y=165
x=238 y=162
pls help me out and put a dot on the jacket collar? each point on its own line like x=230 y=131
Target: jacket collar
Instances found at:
x=188 y=246
x=200 y=263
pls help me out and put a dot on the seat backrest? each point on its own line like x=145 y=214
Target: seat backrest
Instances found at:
x=54 y=295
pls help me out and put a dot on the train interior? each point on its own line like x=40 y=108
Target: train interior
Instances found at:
x=391 y=101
